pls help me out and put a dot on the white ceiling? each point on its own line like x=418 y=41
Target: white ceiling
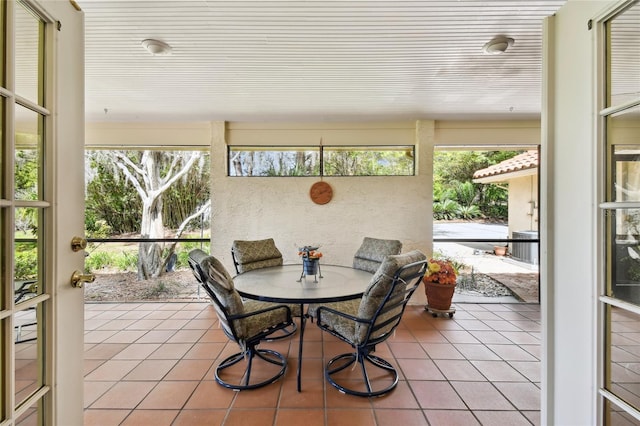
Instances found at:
x=328 y=60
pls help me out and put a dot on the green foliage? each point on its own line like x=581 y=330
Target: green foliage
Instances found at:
x=113 y=199
x=468 y=212
x=445 y=210
x=110 y=197
x=127 y=261
x=453 y=181
x=26 y=262
x=368 y=162
x=465 y=193
x=26 y=174
x=98 y=260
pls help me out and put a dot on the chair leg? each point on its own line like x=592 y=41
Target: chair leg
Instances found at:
x=341 y=362
x=283 y=334
x=251 y=354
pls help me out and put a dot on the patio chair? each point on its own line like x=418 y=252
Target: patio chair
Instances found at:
x=373 y=251
x=367 y=322
x=248 y=255
x=255 y=254
x=247 y=323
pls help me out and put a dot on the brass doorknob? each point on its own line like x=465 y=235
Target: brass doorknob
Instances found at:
x=78 y=243
x=78 y=279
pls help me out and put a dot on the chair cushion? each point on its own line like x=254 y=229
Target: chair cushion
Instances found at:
x=378 y=288
x=256 y=254
x=343 y=326
x=254 y=324
x=373 y=251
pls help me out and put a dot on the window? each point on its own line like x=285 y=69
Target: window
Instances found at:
x=620 y=292
x=322 y=161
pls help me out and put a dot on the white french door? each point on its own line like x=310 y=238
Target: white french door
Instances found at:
x=41 y=209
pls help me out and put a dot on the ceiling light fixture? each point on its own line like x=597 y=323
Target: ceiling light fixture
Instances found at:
x=156 y=47
x=498 y=45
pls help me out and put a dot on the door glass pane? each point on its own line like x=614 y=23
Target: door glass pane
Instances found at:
x=624 y=355
x=28 y=347
x=624 y=56
x=28 y=154
x=26 y=254
x=29 y=34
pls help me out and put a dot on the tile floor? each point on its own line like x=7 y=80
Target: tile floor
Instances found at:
x=151 y=363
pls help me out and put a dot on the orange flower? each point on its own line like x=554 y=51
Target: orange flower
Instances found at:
x=441 y=272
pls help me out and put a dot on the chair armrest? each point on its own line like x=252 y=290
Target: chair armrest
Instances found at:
x=338 y=313
x=261 y=311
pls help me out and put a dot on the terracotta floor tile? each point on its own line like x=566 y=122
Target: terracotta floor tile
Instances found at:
x=459 y=370
x=169 y=395
x=472 y=324
x=336 y=399
x=145 y=324
x=124 y=395
x=297 y=417
x=113 y=370
x=137 y=351
x=340 y=417
x=204 y=351
x=248 y=417
x=117 y=324
x=442 y=351
x=189 y=369
x=126 y=336
x=264 y=397
x=186 y=336
x=481 y=396
x=174 y=381
x=104 y=417
x=407 y=350
x=400 y=398
x=489 y=337
x=104 y=350
x=459 y=336
x=531 y=370
x=511 y=353
x=94 y=390
x=419 y=369
x=525 y=396
x=498 y=371
x=436 y=395
x=200 y=417
x=451 y=418
x=156 y=336
x=172 y=324
x=311 y=395
x=475 y=351
x=151 y=369
x=511 y=418
x=98 y=336
x=429 y=336
x=170 y=351
x=150 y=417
x=210 y=395
x=400 y=417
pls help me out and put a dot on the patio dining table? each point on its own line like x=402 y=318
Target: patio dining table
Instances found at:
x=284 y=284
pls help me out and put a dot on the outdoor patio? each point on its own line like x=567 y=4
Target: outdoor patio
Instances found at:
x=151 y=363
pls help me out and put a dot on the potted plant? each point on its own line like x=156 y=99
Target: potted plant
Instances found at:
x=440 y=283
x=310 y=257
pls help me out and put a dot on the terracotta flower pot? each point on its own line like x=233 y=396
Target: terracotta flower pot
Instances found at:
x=439 y=295
x=500 y=250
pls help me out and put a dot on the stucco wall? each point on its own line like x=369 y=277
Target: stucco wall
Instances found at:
x=280 y=207
x=522 y=191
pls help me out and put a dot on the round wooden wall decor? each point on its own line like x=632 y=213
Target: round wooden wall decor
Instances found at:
x=321 y=193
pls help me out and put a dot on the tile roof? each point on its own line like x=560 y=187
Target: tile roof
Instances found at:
x=524 y=161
